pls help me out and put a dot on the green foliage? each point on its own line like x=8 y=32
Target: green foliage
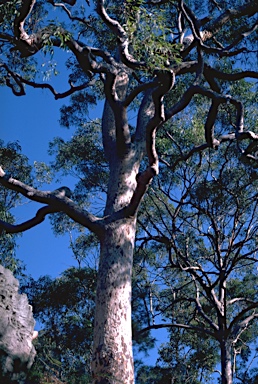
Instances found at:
x=151 y=29
x=65 y=309
x=8 y=10
x=14 y=164
x=52 y=32
x=83 y=158
x=204 y=219
x=43 y=172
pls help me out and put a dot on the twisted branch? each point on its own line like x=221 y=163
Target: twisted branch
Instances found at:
x=57 y=201
x=123 y=40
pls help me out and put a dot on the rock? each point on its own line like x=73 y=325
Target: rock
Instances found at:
x=16 y=331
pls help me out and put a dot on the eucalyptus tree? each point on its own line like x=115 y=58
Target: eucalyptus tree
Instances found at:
x=133 y=54
x=64 y=307
x=207 y=227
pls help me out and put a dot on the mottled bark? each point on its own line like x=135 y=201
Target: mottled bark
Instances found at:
x=112 y=355
x=112 y=349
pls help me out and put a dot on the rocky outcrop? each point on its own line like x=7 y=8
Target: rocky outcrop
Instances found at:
x=16 y=331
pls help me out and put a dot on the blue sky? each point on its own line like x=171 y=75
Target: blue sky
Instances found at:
x=33 y=120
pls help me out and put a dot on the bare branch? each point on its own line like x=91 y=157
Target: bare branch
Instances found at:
x=185 y=157
x=25 y=43
x=165 y=81
x=19 y=80
x=237 y=299
x=135 y=92
x=39 y=218
x=242 y=326
x=236 y=322
x=241 y=36
x=73 y=18
x=209 y=125
x=175 y=325
x=214 y=26
x=85 y=56
x=217 y=99
x=56 y=200
x=143 y=181
x=25 y=10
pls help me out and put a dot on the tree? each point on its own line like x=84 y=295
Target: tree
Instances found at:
x=209 y=232
x=138 y=49
x=11 y=159
x=65 y=309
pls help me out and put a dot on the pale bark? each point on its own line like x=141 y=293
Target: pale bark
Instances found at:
x=112 y=354
x=226 y=362
x=112 y=348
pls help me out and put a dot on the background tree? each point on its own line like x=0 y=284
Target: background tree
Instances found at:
x=16 y=163
x=207 y=226
x=109 y=60
x=64 y=308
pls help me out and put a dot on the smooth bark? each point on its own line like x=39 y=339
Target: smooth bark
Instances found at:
x=112 y=353
x=226 y=361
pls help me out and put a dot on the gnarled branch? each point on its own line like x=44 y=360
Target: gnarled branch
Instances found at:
x=123 y=40
x=38 y=219
x=56 y=200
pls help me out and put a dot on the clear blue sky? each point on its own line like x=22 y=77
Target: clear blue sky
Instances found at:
x=33 y=121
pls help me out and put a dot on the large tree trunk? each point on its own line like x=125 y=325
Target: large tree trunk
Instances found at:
x=112 y=361
x=112 y=355
x=226 y=363
x=112 y=349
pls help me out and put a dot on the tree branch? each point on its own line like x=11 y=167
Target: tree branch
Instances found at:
x=214 y=26
x=175 y=325
x=19 y=80
x=66 y=10
x=236 y=321
x=56 y=200
x=136 y=91
x=25 y=10
x=25 y=43
x=123 y=40
x=39 y=218
x=185 y=157
x=165 y=81
x=209 y=125
x=237 y=299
